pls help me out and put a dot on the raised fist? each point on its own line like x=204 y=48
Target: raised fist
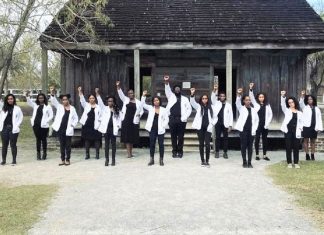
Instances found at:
x=145 y=93
x=215 y=87
x=251 y=85
x=240 y=91
x=166 y=78
x=117 y=83
x=97 y=90
x=283 y=93
x=192 y=90
x=303 y=93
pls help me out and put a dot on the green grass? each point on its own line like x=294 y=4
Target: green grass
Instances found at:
x=21 y=206
x=307 y=184
x=26 y=131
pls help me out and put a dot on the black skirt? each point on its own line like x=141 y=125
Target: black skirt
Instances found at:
x=130 y=131
x=88 y=131
x=309 y=132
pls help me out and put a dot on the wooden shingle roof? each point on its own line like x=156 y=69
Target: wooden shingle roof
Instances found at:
x=206 y=22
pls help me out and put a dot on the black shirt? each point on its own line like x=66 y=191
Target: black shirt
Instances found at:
x=64 y=122
x=205 y=121
x=8 y=120
x=292 y=125
x=155 y=125
x=262 y=115
x=313 y=120
x=221 y=115
x=175 y=110
x=248 y=123
x=39 y=116
x=110 y=123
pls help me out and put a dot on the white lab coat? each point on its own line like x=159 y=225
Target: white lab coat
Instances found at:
x=17 y=118
x=87 y=108
x=307 y=116
x=126 y=100
x=288 y=116
x=228 y=110
x=268 y=110
x=47 y=113
x=243 y=115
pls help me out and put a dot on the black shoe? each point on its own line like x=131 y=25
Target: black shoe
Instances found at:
x=257 y=158
x=87 y=156
x=13 y=163
x=113 y=162
x=225 y=155
x=174 y=155
x=106 y=162
x=151 y=162
x=245 y=165
x=44 y=155
x=203 y=163
x=97 y=155
x=38 y=156
x=180 y=155
x=161 y=162
x=266 y=158
x=313 y=157
x=3 y=163
x=207 y=164
x=307 y=157
x=250 y=165
x=216 y=154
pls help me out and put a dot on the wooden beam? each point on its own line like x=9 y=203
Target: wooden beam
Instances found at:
x=229 y=75
x=44 y=71
x=137 y=65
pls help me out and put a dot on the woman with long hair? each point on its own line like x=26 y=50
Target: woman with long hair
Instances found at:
x=11 y=118
x=90 y=123
x=110 y=123
x=42 y=115
x=204 y=122
x=262 y=106
x=131 y=113
x=246 y=124
x=312 y=123
x=157 y=122
x=292 y=126
x=65 y=121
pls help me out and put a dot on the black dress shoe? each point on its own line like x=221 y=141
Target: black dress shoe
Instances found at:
x=216 y=154
x=151 y=162
x=266 y=158
x=313 y=157
x=174 y=155
x=3 y=163
x=161 y=162
x=106 y=163
x=257 y=158
x=307 y=157
x=180 y=155
x=250 y=165
x=38 y=156
x=225 y=155
x=245 y=165
x=203 y=163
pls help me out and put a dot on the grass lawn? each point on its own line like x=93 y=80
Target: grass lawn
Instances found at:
x=20 y=206
x=307 y=184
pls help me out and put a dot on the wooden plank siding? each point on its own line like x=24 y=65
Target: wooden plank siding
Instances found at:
x=271 y=70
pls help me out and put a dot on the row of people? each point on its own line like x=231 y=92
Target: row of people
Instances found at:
x=99 y=118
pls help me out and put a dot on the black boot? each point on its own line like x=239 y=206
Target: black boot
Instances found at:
x=3 y=161
x=307 y=157
x=38 y=156
x=113 y=162
x=107 y=161
x=14 y=162
x=217 y=154
x=313 y=156
x=87 y=155
x=245 y=165
x=97 y=154
x=161 y=161
x=44 y=154
x=151 y=162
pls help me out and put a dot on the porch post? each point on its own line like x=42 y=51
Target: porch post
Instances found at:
x=229 y=75
x=44 y=71
x=137 y=87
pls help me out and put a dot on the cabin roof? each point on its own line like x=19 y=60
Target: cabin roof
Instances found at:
x=205 y=22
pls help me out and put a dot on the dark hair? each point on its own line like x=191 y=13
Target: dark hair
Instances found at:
x=115 y=106
x=130 y=90
x=6 y=104
x=222 y=93
x=314 y=100
x=265 y=98
x=45 y=98
x=208 y=105
x=175 y=86
x=158 y=97
x=68 y=96
x=96 y=100
x=243 y=98
x=294 y=100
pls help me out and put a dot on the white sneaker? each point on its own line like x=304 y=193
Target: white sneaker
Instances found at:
x=290 y=166
x=297 y=166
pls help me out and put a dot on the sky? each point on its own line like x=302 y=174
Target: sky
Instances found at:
x=317 y=4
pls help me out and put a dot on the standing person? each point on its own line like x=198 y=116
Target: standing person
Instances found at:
x=312 y=123
x=131 y=113
x=262 y=106
x=179 y=109
x=42 y=115
x=203 y=123
x=110 y=123
x=90 y=123
x=292 y=126
x=11 y=118
x=224 y=119
x=247 y=125
x=157 y=122
x=65 y=121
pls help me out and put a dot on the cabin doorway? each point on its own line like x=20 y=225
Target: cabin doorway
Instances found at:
x=145 y=79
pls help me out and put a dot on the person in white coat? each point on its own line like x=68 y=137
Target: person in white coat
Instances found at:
x=90 y=121
x=179 y=110
x=110 y=123
x=40 y=121
x=224 y=118
x=292 y=127
x=204 y=122
x=11 y=118
x=65 y=121
x=131 y=113
x=246 y=124
x=156 y=124
x=262 y=106
x=312 y=123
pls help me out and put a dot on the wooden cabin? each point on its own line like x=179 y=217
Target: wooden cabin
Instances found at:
x=261 y=41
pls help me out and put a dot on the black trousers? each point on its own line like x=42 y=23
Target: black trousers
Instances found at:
x=7 y=138
x=41 y=137
x=264 y=132
x=87 y=144
x=65 y=146
x=110 y=139
x=204 y=141
x=177 y=129
x=246 y=145
x=292 y=145
x=153 y=136
x=219 y=129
